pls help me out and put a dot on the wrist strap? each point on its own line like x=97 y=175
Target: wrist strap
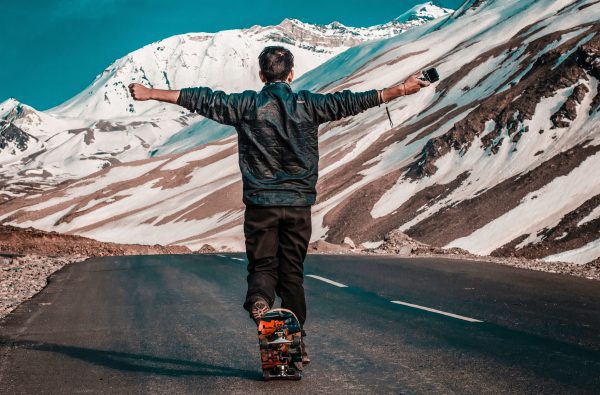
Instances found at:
x=381 y=100
x=389 y=116
x=380 y=95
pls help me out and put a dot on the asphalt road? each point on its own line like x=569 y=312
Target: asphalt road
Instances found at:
x=174 y=324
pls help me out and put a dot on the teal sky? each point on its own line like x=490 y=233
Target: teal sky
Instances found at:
x=52 y=49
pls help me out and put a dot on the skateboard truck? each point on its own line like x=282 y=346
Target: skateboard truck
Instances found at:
x=280 y=339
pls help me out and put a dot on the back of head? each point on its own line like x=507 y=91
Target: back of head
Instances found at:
x=276 y=63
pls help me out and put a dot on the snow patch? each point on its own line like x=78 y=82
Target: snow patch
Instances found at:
x=594 y=214
x=580 y=256
x=544 y=211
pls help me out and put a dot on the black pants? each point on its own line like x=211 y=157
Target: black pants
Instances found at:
x=276 y=244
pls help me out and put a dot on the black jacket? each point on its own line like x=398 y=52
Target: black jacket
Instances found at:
x=277 y=135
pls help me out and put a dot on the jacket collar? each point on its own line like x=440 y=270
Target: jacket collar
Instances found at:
x=277 y=85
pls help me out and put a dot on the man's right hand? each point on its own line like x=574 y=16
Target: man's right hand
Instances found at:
x=413 y=84
x=140 y=92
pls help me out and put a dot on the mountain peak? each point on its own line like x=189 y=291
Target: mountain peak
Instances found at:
x=9 y=103
x=12 y=109
x=420 y=12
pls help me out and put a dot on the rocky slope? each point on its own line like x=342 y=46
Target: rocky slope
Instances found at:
x=22 y=241
x=499 y=157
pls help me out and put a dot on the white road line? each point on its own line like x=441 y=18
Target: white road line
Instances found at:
x=416 y=306
x=237 y=259
x=328 y=281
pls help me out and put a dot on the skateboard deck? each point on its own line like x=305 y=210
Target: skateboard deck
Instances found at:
x=279 y=336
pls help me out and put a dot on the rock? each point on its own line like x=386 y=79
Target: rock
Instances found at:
x=324 y=247
x=349 y=242
x=206 y=248
x=457 y=251
x=397 y=242
x=12 y=136
x=568 y=111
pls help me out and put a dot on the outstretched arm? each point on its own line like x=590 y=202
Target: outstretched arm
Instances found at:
x=338 y=105
x=411 y=85
x=140 y=92
x=216 y=105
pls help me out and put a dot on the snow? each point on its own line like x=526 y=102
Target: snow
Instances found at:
x=196 y=155
x=594 y=214
x=372 y=244
x=426 y=11
x=232 y=239
x=534 y=211
x=503 y=165
x=195 y=135
x=571 y=51
x=129 y=226
x=581 y=255
x=534 y=239
x=562 y=236
x=114 y=175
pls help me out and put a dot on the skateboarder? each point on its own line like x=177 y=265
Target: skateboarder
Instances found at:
x=278 y=159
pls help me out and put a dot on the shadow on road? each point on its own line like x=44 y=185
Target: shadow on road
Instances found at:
x=135 y=362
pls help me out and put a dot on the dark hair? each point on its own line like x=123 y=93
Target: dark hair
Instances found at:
x=275 y=63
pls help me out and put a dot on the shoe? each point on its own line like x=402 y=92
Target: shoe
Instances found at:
x=258 y=310
x=305 y=358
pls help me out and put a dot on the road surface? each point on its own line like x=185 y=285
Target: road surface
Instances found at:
x=376 y=324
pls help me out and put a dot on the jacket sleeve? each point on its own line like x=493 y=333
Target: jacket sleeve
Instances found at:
x=216 y=105
x=334 y=106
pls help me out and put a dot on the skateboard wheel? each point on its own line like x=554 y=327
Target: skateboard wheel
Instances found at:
x=264 y=344
x=266 y=375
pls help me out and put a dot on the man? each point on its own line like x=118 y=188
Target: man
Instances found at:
x=278 y=159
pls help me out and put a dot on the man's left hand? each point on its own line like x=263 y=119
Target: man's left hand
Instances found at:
x=140 y=92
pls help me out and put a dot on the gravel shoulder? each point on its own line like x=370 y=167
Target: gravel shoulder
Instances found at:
x=399 y=244
x=21 y=277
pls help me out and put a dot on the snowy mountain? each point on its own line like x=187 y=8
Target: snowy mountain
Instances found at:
x=102 y=125
x=501 y=156
x=422 y=13
x=225 y=60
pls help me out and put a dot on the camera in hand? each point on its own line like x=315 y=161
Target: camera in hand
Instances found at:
x=431 y=75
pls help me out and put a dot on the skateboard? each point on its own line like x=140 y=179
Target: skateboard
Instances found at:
x=279 y=336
